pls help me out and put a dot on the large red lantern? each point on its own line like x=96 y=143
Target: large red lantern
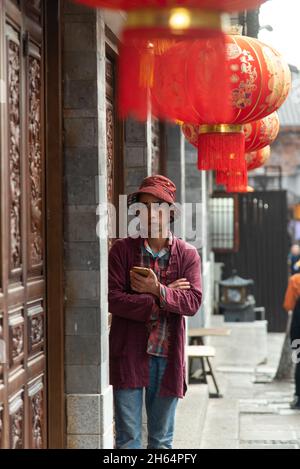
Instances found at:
x=183 y=85
x=258 y=158
x=259 y=81
x=261 y=133
x=151 y=27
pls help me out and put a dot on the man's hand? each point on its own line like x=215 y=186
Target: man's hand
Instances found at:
x=181 y=284
x=142 y=284
x=151 y=284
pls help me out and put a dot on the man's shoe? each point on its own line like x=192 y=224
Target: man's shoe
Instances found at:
x=296 y=403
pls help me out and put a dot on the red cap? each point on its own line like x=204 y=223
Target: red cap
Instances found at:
x=157 y=185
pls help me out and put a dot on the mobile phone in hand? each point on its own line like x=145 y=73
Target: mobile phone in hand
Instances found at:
x=144 y=271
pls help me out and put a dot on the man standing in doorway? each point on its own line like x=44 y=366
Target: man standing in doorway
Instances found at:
x=147 y=336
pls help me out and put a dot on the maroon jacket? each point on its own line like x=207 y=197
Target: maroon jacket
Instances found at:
x=131 y=311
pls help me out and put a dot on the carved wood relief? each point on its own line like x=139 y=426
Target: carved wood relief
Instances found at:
x=110 y=150
x=14 y=152
x=110 y=140
x=16 y=338
x=35 y=161
x=23 y=392
x=36 y=406
x=16 y=417
x=110 y=166
x=35 y=316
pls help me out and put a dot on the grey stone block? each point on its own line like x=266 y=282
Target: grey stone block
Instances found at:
x=82 y=321
x=83 y=414
x=81 y=161
x=81 y=132
x=82 y=350
x=135 y=176
x=80 y=223
x=80 y=36
x=191 y=156
x=80 y=94
x=82 y=379
x=193 y=176
x=81 y=286
x=192 y=196
x=130 y=189
x=174 y=173
x=71 y=8
x=173 y=136
x=84 y=442
x=135 y=131
x=82 y=256
x=80 y=189
x=80 y=65
x=135 y=157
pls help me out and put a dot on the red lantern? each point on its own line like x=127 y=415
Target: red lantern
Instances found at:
x=256 y=159
x=261 y=133
x=183 y=85
x=260 y=81
x=151 y=27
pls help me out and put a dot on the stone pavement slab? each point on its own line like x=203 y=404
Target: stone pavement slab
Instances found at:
x=254 y=412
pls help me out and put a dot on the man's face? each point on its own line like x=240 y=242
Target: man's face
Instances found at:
x=156 y=217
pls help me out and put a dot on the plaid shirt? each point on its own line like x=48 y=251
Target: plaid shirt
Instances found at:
x=159 y=330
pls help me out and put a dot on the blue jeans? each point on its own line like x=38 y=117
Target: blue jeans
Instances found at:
x=160 y=412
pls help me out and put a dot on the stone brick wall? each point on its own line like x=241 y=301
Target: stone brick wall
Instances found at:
x=136 y=154
x=88 y=395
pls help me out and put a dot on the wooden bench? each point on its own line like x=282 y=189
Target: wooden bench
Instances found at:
x=203 y=353
x=197 y=350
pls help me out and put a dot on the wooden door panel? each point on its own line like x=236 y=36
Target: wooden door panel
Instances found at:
x=16 y=420
x=23 y=384
x=35 y=161
x=13 y=51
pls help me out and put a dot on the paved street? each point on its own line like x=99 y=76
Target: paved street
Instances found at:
x=253 y=413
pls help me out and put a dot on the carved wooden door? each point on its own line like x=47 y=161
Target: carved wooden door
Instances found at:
x=22 y=267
